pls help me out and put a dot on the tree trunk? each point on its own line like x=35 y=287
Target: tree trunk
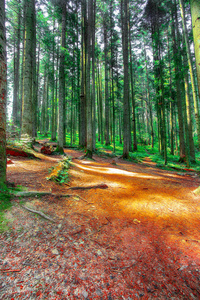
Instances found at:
x=53 y=100
x=16 y=106
x=177 y=64
x=27 y=93
x=195 y=12
x=93 y=76
x=126 y=107
x=149 y=103
x=132 y=86
x=195 y=100
x=83 y=123
x=3 y=93
x=61 y=118
x=107 y=108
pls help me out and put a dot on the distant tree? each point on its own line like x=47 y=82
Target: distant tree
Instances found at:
x=17 y=37
x=3 y=92
x=126 y=103
x=106 y=48
x=28 y=73
x=62 y=80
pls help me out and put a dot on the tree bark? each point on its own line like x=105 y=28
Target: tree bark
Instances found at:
x=177 y=64
x=189 y=58
x=61 y=118
x=16 y=106
x=126 y=107
x=82 y=129
x=3 y=93
x=88 y=85
x=27 y=93
x=107 y=107
x=195 y=12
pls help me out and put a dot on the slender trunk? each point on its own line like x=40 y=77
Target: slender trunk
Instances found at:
x=82 y=136
x=88 y=87
x=3 y=93
x=53 y=125
x=149 y=103
x=16 y=106
x=34 y=79
x=126 y=106
x=132 y=86
x=107 y=108
x=62 y=83
x=93 y=76
x=177 y=64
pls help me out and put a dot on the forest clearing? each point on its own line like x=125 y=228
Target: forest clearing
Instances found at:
x=138 y=238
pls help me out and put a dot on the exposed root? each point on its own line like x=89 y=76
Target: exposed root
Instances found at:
x=39 y=213
x=98 y=186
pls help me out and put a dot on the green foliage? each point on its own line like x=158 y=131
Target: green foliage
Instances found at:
x=59 y=173
x=5 y=204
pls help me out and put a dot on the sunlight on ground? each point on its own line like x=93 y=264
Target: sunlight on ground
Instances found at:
x=115 y=171
x=86 y=162
x=167 y=206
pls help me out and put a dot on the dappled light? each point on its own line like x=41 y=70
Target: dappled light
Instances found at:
x=130 y=227
x=114 y=171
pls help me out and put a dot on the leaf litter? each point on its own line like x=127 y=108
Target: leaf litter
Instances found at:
x=105 y=244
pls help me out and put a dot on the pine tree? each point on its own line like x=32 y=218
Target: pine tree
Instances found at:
x=3 y=92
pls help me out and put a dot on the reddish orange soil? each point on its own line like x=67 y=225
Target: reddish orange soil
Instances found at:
x=137 y=239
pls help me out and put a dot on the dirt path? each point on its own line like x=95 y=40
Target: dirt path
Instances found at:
x=137 y=239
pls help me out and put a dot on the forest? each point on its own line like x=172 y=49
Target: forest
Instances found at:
x=99 y=149
x=107 y=72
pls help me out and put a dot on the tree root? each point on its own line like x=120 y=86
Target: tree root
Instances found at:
x=39 y=213
x=98 y=186
x=37 y=193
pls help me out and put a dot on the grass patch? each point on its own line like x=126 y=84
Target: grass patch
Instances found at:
x=5 y=204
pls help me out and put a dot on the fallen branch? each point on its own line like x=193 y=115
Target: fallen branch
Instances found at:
x=98 y=186
x=39 y=213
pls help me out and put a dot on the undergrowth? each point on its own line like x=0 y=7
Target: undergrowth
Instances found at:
x=59 y=173
x=138 y=156
x=5 y=204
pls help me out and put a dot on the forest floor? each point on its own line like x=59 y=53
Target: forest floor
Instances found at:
x=139 y=238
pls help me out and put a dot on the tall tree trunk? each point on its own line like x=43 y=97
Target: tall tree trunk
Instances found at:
x=132 y=86
x=188 y=110
x=82 y=129
x=93 y=76
x=107 y=107
x=195 y=12
x=195 y=100
x=27 y=93
x=88 y=86
x=34 y=79
x=16 y=106
x=62 y=83
x=171 y=105
x=149 y=103
x=53 y=100
x=126 y=106
x=177 y=63
x=3 y=93
x=37 y=86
